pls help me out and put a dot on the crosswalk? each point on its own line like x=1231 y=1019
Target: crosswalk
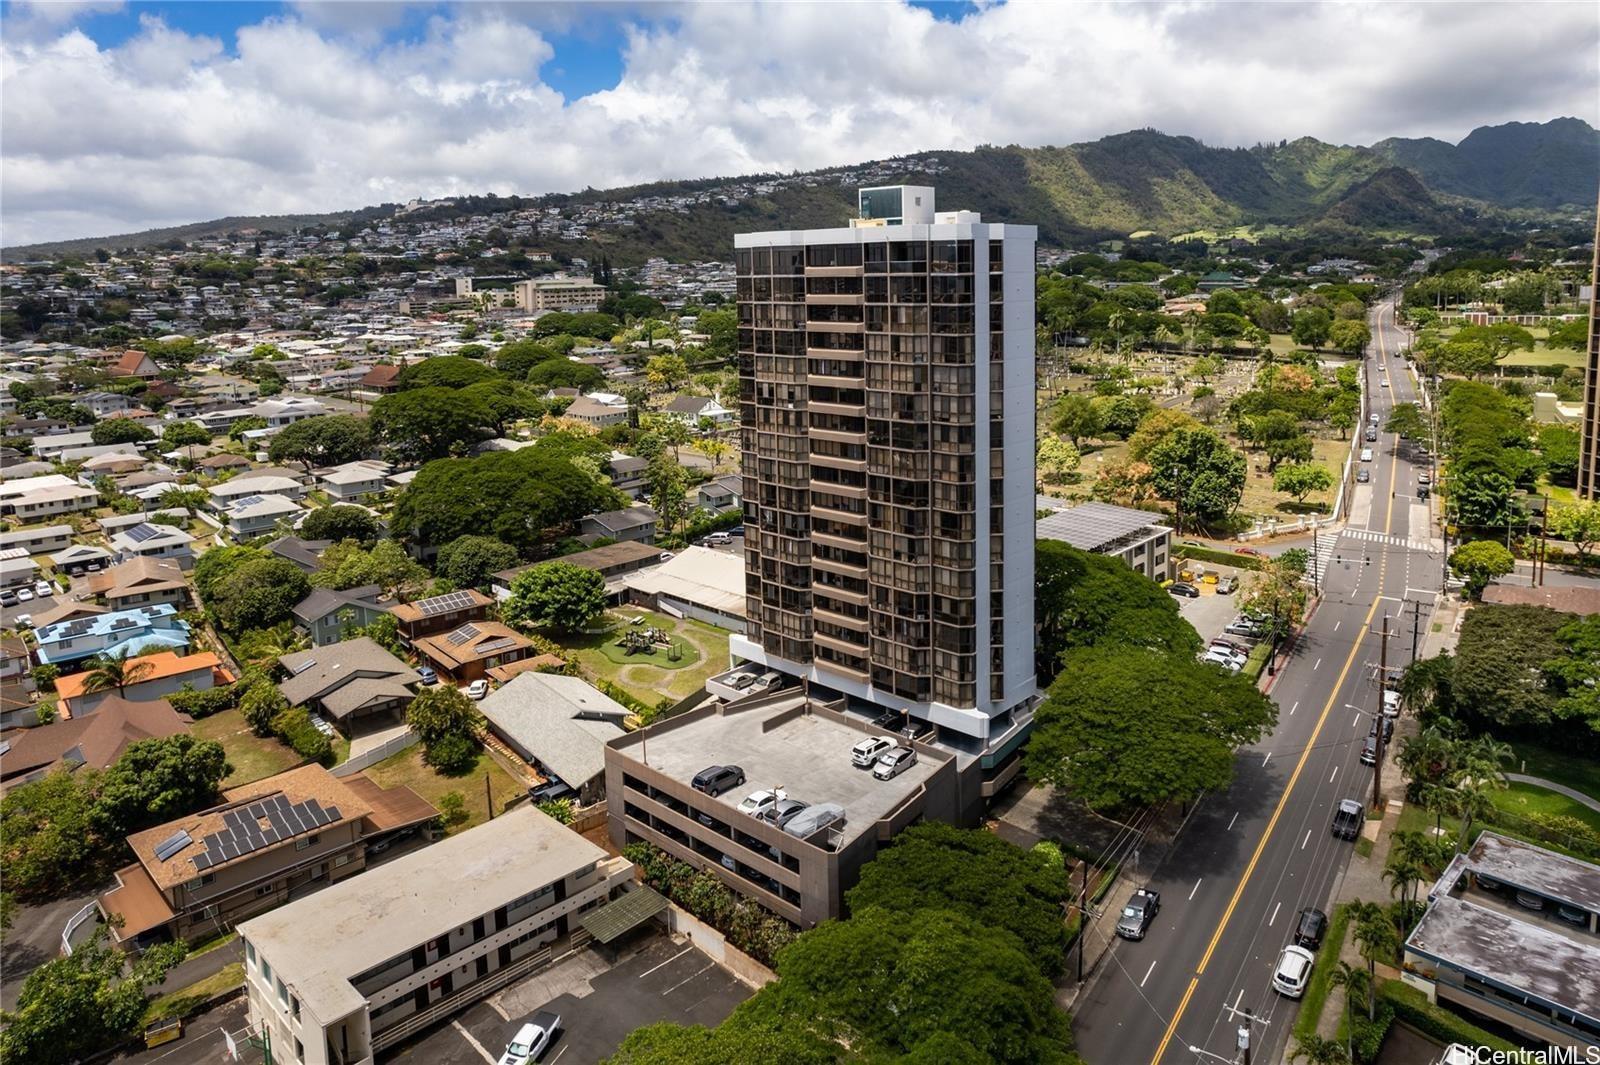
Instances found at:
x=1390 y=541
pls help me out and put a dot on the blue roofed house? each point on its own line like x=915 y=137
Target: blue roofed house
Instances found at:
x=115 y=634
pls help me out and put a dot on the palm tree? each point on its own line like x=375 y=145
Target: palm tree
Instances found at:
x=1316 y=1050
x=115 y=671
x=1356 y=983
x=1402 y=872
x=1375 y=934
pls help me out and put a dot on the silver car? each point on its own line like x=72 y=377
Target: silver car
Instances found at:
x=894 y=763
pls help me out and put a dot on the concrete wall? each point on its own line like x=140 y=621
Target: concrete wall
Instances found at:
x=715 y=946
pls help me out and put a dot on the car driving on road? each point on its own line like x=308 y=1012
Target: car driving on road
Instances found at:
x=1140 y=910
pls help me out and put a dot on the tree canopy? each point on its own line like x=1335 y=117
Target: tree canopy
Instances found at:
x=470 y=561
x=327 y=440
x=518 y=497
x=445 y=371
x=556 y=594
x=1082 y=599
x=1196 y=469
x=429 y=423
x=119 y=431
x=247 y=588
x=1127 y=725
x=340 y=522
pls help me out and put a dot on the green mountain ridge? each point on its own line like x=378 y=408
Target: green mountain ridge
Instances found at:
x=1119 y=184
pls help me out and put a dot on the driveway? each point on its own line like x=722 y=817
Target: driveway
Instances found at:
x=599 y=1005
x=1210 y=613
x=33 y=939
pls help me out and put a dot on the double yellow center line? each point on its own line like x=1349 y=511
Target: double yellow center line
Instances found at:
x=1305 y=754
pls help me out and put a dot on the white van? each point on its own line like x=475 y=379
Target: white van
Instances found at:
x=1366 y=454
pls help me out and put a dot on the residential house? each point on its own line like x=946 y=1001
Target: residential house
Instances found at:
x=270 y=841
x=17 y=569
x=611 y=561
x=559 y=725
x=637 y=522
x=152 y=676
x=327 y=616
x=355 y=481
x=95 y=740
x=38 y=541
x=33 y=498
x=382 y=379
x=255 y=515
x=467 y=653
x=222 y=461
x=440 y=612
x=346 y=975
x=307 y=554
x=696 y=583
x=690 y=409
x=590 y=411
x=105 y=403
x=350 y=681
x=229 y=492
x=150 y=540
x=80 y=559
x=135 y=364
x=722 y=494
x=16 y=659
x=628 y=474
x=139 y=581
x=50 y=447
x=114 y=634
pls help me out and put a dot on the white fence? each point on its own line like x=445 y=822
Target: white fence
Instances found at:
x=377 y=754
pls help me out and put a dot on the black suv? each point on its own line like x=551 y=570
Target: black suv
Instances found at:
x=1310 y=928
x=714 y=780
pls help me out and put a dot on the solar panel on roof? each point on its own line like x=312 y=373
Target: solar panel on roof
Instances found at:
x=202 y=861
x=248 y=501
x=501 y=644
x=142 y=532
x=462 y=635
x=443 y=604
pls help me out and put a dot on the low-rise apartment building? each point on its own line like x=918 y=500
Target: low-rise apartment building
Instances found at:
x=1135 y=536
x=269 y=842
x=41 y=541
x=782 y=742
x=340 y=977
x=1512 y=937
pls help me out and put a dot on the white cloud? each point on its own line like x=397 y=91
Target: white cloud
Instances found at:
x=318 y=111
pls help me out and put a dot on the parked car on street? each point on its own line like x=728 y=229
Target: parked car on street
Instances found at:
x=1348 y=817
x=1292 y=972
x=1310 y=927
x=1138 y=913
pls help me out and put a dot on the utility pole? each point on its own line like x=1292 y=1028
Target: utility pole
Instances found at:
x=1380 y=722
x=1244 y=1037
x=488 y=795
x=1083 y=913
x=1416 y=626
x=1539 y=563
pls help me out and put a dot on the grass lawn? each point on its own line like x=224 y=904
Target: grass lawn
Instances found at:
x=408 y=768
x=1544 y=357
x=186 y=1000
x=651 y=678
x=1524 y=799
x=251 y=756
x=1415 y=819
x=1576 y=771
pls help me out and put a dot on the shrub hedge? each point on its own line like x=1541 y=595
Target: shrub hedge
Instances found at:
x=1412 y=1006
x=1222 y=558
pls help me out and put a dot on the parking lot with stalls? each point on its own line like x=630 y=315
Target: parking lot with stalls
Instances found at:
x=599 y=1004
x=1211 y=612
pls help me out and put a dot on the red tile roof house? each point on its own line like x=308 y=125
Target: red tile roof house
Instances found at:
x=158 y=676
x=135 y=364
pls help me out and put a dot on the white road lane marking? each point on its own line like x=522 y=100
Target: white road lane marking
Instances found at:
x=1195 y=888
x=1232 y=819
x=1318 y=665
x=1265 y=760
x=1147 y=973
x=1306 y=840
x=1274 y=916
x=490 y=1058
x=1336 y=625
x=1333 y=774
x=1295 y=707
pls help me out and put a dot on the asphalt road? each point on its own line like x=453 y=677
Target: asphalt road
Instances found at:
x=1254 y=855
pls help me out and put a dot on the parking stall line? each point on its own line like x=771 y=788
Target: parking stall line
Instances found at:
x=686 y=979
x=472 y=1042
x=666 y=963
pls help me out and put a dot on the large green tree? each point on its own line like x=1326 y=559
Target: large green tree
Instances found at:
x=1497 y=678
x=73 y=1007
x=1198 y=471
x=1077 y=418
x=470 y=561
x=445 y=371
x=119 y=431
x=557 y=595
x=430 y=423
x=977 y=874
x=1082 y=599
x=1126 y=726
x=1480 y=562
x=327 y=440
x=246 y=588
x=340 y=522
x=156 y=780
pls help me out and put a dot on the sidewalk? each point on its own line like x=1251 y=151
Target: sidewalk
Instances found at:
x=1363 y=880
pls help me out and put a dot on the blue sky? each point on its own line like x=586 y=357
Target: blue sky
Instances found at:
x=119 y=116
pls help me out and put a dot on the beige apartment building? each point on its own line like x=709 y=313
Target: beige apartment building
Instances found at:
x=887 y=412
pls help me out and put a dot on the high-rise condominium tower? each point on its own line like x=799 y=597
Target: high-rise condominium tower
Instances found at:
x=886 y=375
